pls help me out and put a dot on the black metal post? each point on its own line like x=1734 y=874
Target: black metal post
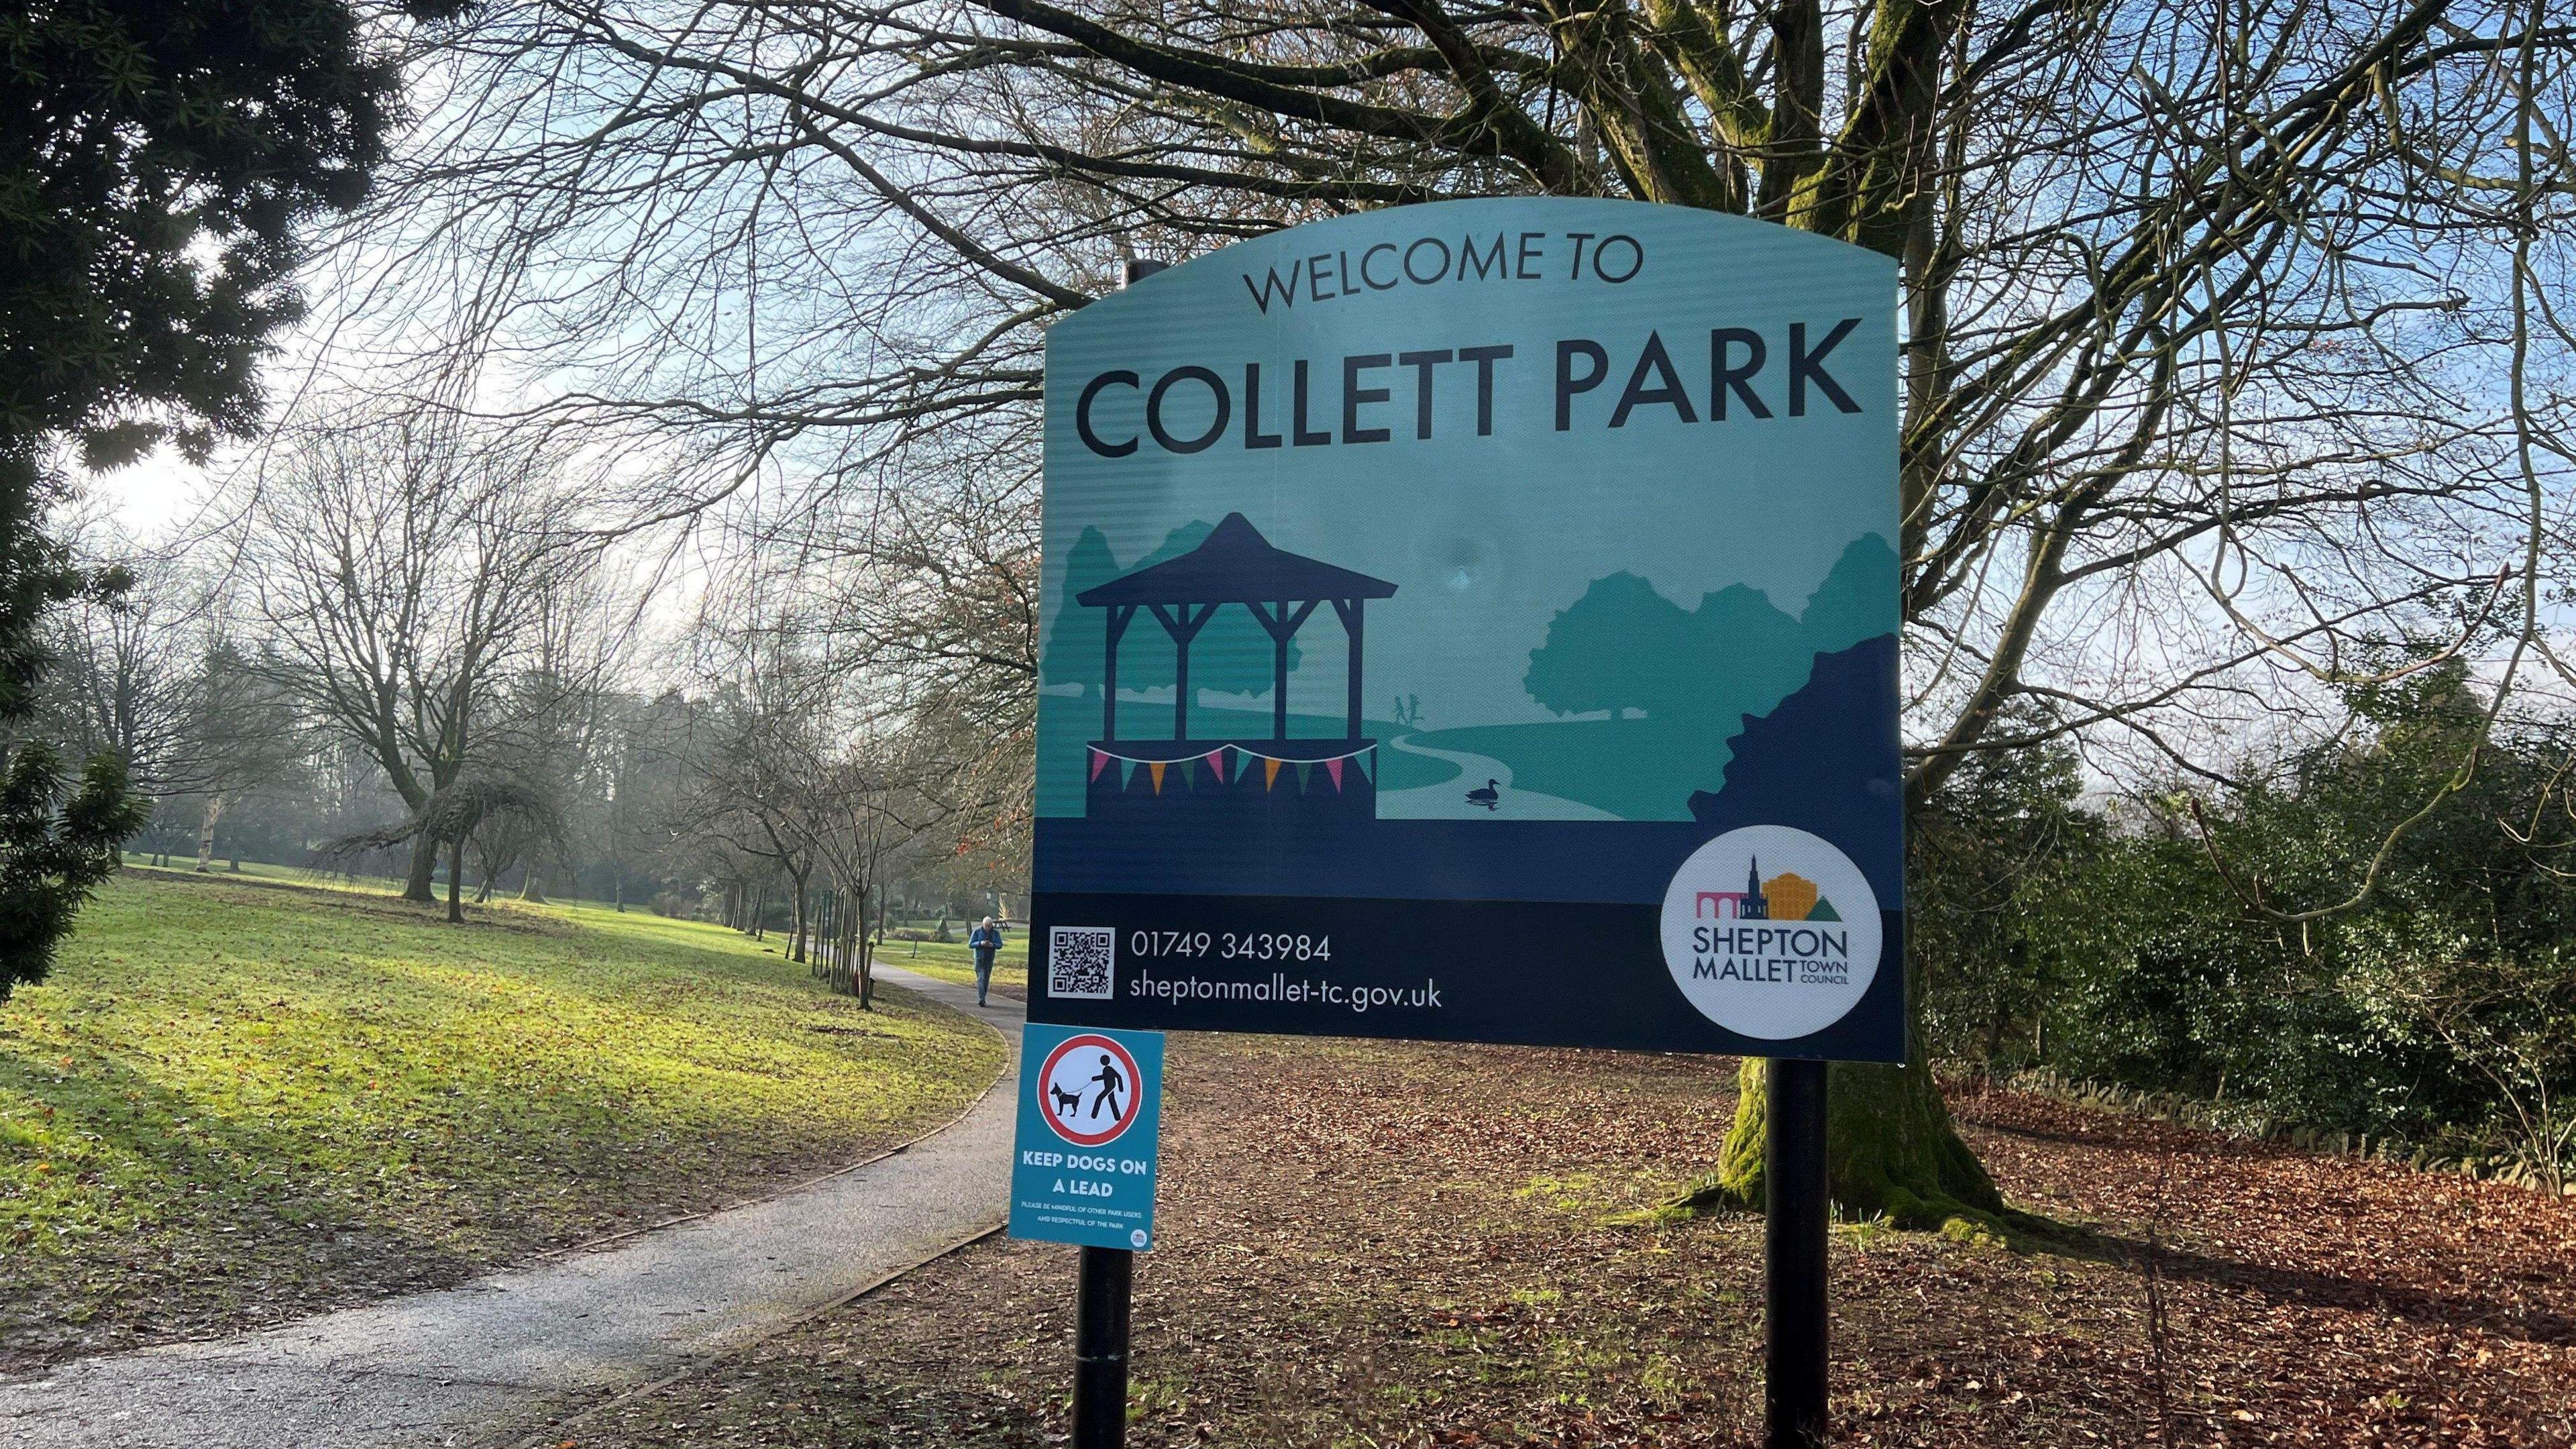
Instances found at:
x=1100 y=1349
x=1108 y=1275
x=1793 y=1276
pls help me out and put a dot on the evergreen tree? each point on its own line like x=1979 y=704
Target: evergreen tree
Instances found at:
x=154 y=170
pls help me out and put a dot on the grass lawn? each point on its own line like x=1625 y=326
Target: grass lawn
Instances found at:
x=238 y=1102
x=953 y=962
x=182 y=863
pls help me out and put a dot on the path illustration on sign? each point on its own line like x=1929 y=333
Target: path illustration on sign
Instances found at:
x=1449 y=799
x=474 y=1364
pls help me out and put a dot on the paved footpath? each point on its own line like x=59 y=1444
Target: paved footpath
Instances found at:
x=455 y=1366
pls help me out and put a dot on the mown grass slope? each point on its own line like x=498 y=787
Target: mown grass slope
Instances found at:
x=951 y=961
x=237 y=1102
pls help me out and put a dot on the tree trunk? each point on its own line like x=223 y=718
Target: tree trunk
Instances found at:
x=455 y=879
x=796 y=921
x=206 y=834
x=835 y=975
x=867 y=954
x=1889 y=1147
x=532 y=886
x=424 y=866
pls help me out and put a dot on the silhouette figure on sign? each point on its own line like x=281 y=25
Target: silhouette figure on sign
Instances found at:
x=1111 y=1084
x=1490 y=795
x=1065 y=1102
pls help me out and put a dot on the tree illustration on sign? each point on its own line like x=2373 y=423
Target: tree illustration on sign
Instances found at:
x=1668 y=689
x=1613 y=649
x=1077 y=641
x=1230 y=656
x=1623 y=646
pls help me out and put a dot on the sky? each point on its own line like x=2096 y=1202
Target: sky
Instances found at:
x=153 y=496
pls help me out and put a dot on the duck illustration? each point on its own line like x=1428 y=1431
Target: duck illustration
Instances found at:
x=1490 y=795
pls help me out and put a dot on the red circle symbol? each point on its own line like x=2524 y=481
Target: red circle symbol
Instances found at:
x=1088 y=1079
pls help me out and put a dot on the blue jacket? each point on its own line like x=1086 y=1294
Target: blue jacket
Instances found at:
x=985 y=940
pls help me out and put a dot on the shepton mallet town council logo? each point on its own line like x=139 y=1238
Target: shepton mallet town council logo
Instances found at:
x=1771 y=932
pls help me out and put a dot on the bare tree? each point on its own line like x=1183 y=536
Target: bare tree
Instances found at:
x=2227 y=351
x=245 y=735
x=759 y=793
x=634 y=814
x=552 y=716
x=145 y=672
x=123 y=680
x=450 y=819
x=401 y=572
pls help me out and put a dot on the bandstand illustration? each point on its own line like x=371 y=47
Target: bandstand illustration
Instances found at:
x=1211 y=781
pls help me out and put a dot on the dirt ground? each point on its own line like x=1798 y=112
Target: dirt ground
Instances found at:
x=1376 y=1245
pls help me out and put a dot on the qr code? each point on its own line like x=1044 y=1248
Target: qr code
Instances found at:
x=1078 y=961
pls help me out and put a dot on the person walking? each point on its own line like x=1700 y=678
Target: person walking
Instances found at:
x=984 y=940
x=1111 y=1082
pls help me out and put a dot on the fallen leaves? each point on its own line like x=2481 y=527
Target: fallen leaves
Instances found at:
x=1421 y=1245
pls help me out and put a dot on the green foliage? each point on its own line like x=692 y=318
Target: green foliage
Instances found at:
x=155 y=161
x=156 y=157
x=1993 y=861
x=57 y=844
x=2129 y=948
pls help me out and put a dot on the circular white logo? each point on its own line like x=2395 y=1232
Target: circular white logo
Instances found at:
x=1771 y=932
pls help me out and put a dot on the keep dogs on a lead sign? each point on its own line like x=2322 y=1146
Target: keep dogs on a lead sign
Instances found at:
x=1478 y=621
x=1088 y=1137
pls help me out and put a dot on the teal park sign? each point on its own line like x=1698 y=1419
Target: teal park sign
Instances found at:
x=1478 y=621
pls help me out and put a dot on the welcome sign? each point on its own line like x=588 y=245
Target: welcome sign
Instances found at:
x=1478 y=621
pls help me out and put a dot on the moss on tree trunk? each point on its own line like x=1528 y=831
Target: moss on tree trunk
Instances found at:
x=1890 y=1150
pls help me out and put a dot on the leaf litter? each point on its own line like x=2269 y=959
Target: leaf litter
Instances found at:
x=1432 y=1245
